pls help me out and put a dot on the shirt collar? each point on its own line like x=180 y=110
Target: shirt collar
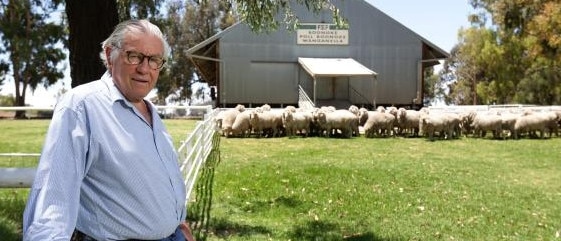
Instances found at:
x=114 y=93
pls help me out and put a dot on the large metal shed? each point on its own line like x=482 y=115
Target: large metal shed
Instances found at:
x=274 y=68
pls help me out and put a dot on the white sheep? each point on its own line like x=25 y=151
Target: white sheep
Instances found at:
x=241 y=125
x=290 y=108
x=483 y=122
x=240 y=108
x=545 y=122
x=508 y=120
x=266 y=107
x=408 y=121
x=376 y=123
x=550 y=118
x=227 y=120
x=218 y=121
x=432 y=123
x=354 y=109
x=264 y=121
x=342 y=120
x=296 y=122
x=315 y=127
x=328 y=108
x=529 y=122
x=454 y=124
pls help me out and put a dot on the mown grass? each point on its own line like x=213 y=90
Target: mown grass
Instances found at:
x=387 y=189
x=367 y=189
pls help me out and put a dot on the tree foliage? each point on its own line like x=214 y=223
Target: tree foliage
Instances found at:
x=264 y=15
x=431 y=88
x=510 y=54
x=138 y=9
x=188 y=24
x=7 y=100
x=33 y=43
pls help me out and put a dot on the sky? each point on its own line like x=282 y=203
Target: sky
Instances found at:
x=438 y=21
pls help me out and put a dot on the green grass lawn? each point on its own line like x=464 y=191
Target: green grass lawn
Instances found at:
x=359 y=189
x=387 y=189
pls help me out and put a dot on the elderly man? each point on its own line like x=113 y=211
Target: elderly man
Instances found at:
x=108 y=169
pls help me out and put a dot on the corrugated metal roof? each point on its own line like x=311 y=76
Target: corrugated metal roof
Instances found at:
x=331 y=67
x=213 y=38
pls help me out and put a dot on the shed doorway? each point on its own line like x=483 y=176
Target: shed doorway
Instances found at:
x=332 y=88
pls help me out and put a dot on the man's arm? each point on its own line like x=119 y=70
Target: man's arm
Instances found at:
x=52 y=207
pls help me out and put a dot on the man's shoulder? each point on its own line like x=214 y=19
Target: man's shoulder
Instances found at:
x=84 y=93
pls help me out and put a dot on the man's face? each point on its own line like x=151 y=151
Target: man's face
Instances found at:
x=135 y=81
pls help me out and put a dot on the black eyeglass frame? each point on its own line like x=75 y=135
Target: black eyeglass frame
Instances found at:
x=137 y=58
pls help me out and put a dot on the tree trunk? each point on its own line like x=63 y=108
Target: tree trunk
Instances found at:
x=90 y=22
x=19 y=99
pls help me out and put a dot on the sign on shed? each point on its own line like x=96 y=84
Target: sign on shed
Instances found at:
x=321 y=34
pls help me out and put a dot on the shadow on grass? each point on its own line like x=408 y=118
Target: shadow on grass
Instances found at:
x=223 y=228
x=325 y=231
x=198 y=212
x=284 y=201
x=368 y=237
x=7 y=232
x=287 y=201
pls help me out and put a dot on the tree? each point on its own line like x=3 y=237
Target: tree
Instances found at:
x=188 y=25
x=512 y=57
x=4 y=68
x=464 y=68
x=433 y=88
x=543 y=52
x=263 y=15
x=89 y=23
x=33 y=44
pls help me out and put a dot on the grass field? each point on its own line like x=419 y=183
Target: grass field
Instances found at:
x=359 y=188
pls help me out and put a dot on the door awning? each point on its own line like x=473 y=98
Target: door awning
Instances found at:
x=333 y=67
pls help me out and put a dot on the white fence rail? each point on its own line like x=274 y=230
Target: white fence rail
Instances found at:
x=193 y=152
x=16 y=177
x=21 y=170
x=166 y=111
x=498 y=108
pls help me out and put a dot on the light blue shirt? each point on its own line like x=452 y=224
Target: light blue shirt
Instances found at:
x=105 y=171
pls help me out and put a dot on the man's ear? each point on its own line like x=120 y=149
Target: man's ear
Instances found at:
x=108 y=56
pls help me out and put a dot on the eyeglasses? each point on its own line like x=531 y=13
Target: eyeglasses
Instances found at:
x=136 y=58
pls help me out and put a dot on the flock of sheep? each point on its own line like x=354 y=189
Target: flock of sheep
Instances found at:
x=385 y=122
